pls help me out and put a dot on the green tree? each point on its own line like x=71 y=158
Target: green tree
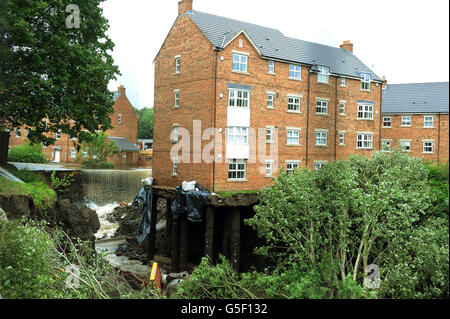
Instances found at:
x=95 y=151
x=145 y=123
x=51 y=71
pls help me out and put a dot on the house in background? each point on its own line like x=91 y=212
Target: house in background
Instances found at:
x=124 y=132
x=416 y=119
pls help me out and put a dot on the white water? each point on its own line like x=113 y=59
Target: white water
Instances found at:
x=108 y=245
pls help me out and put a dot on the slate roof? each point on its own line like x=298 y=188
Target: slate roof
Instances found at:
x=124 y=144
x=273 y=44
x=420 y=98
x=116 y=95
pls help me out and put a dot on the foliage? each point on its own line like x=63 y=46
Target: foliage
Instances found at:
x=438 y=181
x=50 y=71
x=145 y=123
x=351 y=214
x=34 y=263
x=27 y=153
x=97 y=150
x=62 y=183
x=41 y=193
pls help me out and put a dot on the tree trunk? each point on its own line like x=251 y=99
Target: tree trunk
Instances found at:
x=4 y=142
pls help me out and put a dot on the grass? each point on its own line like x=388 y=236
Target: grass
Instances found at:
x=42 y=194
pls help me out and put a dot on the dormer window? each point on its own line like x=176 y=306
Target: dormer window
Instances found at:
x=322 y=76
x=365 y=82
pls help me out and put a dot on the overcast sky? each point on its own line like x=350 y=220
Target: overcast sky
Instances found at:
x=405 y=40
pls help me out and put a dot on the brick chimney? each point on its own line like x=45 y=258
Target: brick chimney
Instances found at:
x=384 y=82
x=347 y=46
x=183 y=6
x=121 y=90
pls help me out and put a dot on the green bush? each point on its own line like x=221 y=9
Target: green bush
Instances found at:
x=438 y=181
x=96 y=164
x=27 y=153
x=34 y=261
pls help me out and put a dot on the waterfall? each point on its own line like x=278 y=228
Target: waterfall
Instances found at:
x=104 y=187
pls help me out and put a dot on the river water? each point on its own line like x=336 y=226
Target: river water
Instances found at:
x=104 y=190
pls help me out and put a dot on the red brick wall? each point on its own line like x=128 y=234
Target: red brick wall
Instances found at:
x=416 y=133
x=196 y=85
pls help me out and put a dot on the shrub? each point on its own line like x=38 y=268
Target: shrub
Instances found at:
x=96 y=164
x=34 y=261
x=27 y=153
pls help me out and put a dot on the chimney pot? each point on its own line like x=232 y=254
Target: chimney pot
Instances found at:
x=184 y=6
x=347 y=45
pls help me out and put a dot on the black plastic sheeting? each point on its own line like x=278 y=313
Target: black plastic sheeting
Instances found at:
x=191 y=203
x=144 y=197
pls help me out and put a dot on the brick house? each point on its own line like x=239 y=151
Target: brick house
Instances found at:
x=124 y=133
x=415 y=119
x=254 y=87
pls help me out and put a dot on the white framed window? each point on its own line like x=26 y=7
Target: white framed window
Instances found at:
x=405 y=146
x=291 y=166
x=365 y=82
x=343 y=82
x=73 y=153
x=239 y=98
x=177 y=99
x=428 y=147
x=177 y=65
x=342 y=105
x=294 y=104
x=322 y=76
x=428 y=121
x=237 y=170
x=270 y=99
x=406 y=120
x=119 y=119
x=85 y=153
x=341 y=138
x=175 y=167
x=295 y=72
x=386 y=146
x=175 y=133
x=58 y=135
x=319 y=164
x=321 y=107
x=269 y=134
x=269 y=168
x=18 y=133
x=240 y=62
x=365 y=111
x=293 y=136
x=364 y=140
x=271 y=67
x=238 y=135
x=387 y=121
x=321 y=138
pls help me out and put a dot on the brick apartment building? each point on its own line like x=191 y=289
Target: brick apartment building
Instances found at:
x=124 y=134
x=254 y=86
x=415 y=118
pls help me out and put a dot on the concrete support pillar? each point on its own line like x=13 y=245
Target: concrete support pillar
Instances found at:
x=175 y=245
x=209 y=232
x=152 y=236
x=235 y=241
x=184 y=243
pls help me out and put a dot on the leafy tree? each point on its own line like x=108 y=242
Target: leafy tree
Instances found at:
x=145 y=123
x=95 y=151
x=51 y=71
x=337 y=221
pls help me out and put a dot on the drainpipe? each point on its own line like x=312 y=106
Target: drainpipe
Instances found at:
x=439 y=138
x=215 y=121
x=307 y=116
x=381 y=117
x=335 y=122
